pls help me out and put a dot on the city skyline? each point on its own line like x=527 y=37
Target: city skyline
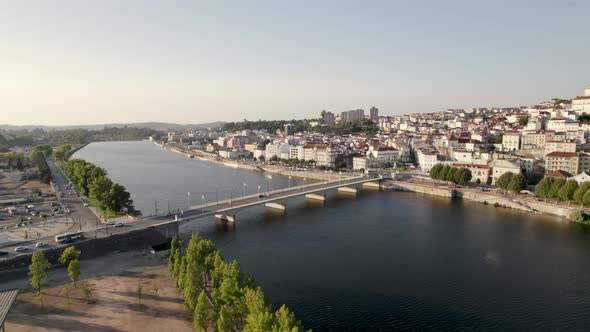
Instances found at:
x=67 y=64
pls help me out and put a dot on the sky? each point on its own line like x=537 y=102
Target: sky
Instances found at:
x=93 y=62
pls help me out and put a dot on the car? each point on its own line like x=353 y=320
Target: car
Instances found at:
x=110 y=222
x=86 y=204
x=119 y=224
x=21 y=249
x=40 y=244
x=3 y=253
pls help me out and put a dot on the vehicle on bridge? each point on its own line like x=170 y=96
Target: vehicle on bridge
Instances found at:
x=69 y=237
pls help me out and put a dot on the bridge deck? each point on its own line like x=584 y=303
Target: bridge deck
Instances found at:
x=212 y=208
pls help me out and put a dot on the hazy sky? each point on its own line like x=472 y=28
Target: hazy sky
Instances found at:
x=86 y=62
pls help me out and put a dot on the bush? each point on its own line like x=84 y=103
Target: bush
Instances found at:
x=579 y=217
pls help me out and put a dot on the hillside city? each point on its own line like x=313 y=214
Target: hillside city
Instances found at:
x=549 y=138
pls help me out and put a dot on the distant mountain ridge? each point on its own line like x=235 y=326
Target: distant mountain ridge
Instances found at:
x=162 y=126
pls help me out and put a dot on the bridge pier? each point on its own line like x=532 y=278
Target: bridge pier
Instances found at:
x=316 y=197
x=348 y=190
x=276 y=206
x=372 y=185
x=226 y=217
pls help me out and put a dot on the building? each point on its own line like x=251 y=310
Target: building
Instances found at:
x=500 y=167
x=426 y=160
x=582 y=177
x=374 y=114
x=511 y=141
x=352 y=116
x=328 y=117
x=565 y=161
x=581 y=104
x=560 y=146
x=322 y=154
x=479 y=172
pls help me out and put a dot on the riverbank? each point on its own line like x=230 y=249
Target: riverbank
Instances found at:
x=113 y=304
x=302 y=174
x=519 y=202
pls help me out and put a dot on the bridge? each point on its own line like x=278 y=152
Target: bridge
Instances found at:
x=275 y=199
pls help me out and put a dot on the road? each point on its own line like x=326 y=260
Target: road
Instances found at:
x=85 y=220
x=81 y=217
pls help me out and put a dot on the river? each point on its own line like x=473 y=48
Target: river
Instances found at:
x=381 y=260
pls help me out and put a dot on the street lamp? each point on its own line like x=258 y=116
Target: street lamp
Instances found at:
x=245 y=185
x=188 y=200
x=269 y=184
x=258 y=192
x=289 y=182
x=204 y=203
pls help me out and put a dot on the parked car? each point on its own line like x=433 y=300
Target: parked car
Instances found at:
x=40 y=244
x=20 y=249
x=2 y=253
x=86 y=204
x=119 y=224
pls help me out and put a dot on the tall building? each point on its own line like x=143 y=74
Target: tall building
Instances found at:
x=351 y=116
x=328 y=117
x=374 y=115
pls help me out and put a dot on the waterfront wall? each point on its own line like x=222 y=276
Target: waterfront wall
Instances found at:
x=141 y=239
x=513 y=202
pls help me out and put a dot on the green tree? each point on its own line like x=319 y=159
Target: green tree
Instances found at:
x=442 y=175
x=37 y=270
x=174 y=247
x=68 y=255
x=504 y=180
x=542 y=188
x=566 y=193
x=579 y=193
x=193 y=284
x=259 y=316
x=517 y=183
x=555 y=186
x=202 y=313
x=579 y=217
x=225 y=320
x=74 y=271
x=586 y=198
x=285 y=321
x=182 y=273
x=463 y=176
x=435 y=171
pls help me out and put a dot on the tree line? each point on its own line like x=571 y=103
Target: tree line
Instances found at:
x=458 y=175
x=37 y=157
x=62 y=152
x=15 y=159
x=108 y=197
x=557 y=188
x=364 y=126
x=220 y=295
x=512 y=182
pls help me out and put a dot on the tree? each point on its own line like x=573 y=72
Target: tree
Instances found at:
x=193 y=284
x=261 y=158
x=566 y=193
x=442 y=175
x=225 y=320
x=202 y=315
x=504 y=180
x=517 y=183
x=182 y=273
x=37 y=270
x=285 y=321
x=586 y=198
x=259 y=316
x=579 y=193
x=74 y=271
x=68 y=255
x=435 y=171
x=579 y=217
x=555 y=186
x=542 y=188
x=174 y=247
x=462 y=176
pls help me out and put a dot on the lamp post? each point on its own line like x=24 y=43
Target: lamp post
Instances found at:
x=245 y=185
x=289 y=182
x=204 y=203
x=258 y=192
x=188 y=200
x=269 y=184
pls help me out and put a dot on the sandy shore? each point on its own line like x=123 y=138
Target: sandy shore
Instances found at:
x=114 y=306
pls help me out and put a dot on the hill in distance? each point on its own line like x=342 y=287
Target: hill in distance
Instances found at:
x=162 y=126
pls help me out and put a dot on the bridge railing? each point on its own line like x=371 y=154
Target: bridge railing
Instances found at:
x=273 y=192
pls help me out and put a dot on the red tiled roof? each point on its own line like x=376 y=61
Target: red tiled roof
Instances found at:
x=559 y=174
x=562 y=154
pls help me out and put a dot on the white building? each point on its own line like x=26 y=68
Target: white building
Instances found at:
x=500 y=167
x=426 y=160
